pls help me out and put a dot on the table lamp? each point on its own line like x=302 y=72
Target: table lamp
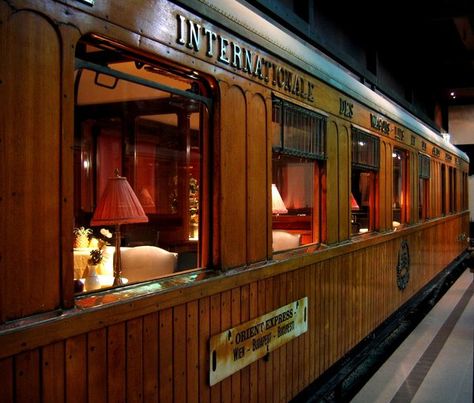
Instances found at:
x=354 y=205
x=118 y=205
x=278 y=206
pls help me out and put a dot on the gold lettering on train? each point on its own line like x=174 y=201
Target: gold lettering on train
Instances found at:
x=197 y=37
x=346 y=108
x=380 y=124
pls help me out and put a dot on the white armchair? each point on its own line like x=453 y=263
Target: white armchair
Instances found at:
x=143 y=263
x=283 y=240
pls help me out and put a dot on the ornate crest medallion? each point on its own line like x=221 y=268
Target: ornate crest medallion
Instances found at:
x=403 y=265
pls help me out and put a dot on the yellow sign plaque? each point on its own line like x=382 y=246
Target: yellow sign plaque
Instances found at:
x=238 y=347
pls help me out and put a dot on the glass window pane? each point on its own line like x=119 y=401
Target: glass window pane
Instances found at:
x=399 y=202
x=362 y=201
x=293 y=196
x=154 y=138
x=298 y=146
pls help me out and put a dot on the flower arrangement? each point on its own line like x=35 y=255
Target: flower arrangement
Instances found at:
x=99 y=245
x=96 y=256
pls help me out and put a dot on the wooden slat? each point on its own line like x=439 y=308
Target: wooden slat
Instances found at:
x=290 y=348
x=6 y=380
x=53 y=375
x=215 y=326
x=192 y=351
x=302 y=352
x=253 y=311
x=97 y=366
x=150 y=358
x=269 y=307
x=235 y=320
x=244 y=317
x=134 y=353
x=179 y=353
x=116 y=363
x=204 y=336
x=76 y=369
x=311 y=322
x=225 y=312
x=283 y=349
x=27 y=377
x=261 y=365
x=166 y=356
x=276 y=354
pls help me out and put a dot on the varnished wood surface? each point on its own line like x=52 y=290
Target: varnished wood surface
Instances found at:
x=30 y=151
x=155 y=348
x=165 y=353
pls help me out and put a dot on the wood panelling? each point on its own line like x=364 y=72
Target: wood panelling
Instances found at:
x=256 y=176
x=332 y=200
x=97 y=366
x=30 y=174
x=27 y=373
x=6 y=380
x=344 y=180
x=52 y=367
x=76 y=368
x=156 y=348
x=165 y=354
x=233 y=200
x=383 y=198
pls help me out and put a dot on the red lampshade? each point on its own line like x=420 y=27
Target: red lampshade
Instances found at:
x=278 y=206
x=354 y=205
x=118 y=205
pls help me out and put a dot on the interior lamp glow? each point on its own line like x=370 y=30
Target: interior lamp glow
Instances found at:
x=354 y=205
x=278 y=207
x=118 y=205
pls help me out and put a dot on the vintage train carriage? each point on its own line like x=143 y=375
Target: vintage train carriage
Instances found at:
x=270 y=180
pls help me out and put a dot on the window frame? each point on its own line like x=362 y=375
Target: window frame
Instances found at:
x=369 y=165
x=405 y=185
x=311 y=150
x=205 y=113
x=424 y=188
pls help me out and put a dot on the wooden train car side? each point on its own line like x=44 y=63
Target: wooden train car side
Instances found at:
x=149 y=341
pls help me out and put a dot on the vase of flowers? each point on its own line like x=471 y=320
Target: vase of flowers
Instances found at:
x=92 y=280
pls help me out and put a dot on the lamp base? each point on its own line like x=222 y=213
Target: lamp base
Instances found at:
x=117 y=281
x=117 y=258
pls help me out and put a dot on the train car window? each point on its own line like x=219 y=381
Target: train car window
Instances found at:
x=452 y=190
x=400 y=187
x=424 y=174
x=464 y=192
x=148 y=124
x=298 y=170
x=443 y=189
x=365 y=166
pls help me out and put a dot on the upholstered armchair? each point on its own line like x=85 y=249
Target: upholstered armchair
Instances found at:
x=143 y=263
x=283 y=240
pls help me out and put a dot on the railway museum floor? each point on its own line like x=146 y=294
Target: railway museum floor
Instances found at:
x=435 y=362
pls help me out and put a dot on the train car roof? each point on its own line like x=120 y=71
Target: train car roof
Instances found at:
x=250 y=25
